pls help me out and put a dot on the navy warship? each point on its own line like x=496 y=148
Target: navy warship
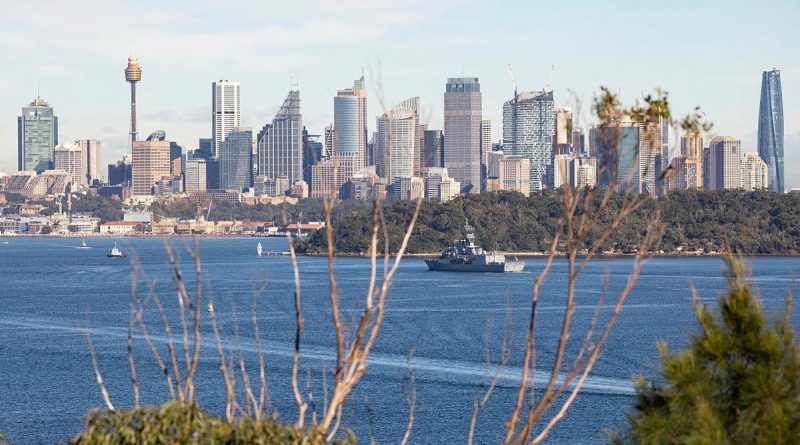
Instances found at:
x=465 y=256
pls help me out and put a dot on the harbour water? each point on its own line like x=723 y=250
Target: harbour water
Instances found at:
x=51 y=292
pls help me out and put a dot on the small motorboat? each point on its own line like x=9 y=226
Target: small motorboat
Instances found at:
x=259 y=249
x=115 y=252
x=210 y=307
x=84 y=245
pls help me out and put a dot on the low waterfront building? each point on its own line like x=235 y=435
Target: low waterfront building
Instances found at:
x=121 y=227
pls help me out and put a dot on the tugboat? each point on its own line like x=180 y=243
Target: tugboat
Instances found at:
x=115 y=252
x=465 y=256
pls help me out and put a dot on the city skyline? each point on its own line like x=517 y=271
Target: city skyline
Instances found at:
x=179 y=63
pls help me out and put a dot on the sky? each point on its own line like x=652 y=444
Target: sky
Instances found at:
x=704 y=53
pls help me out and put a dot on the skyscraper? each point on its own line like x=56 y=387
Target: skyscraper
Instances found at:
x=724 y=163
x=433 y=147
x=91 y=153
x=486 y=148
x=754 y=172
x=280 y=143
x=235 y=160
x=70 y=158
x=395 y=142
x=150 y=164
x=350 y=122
x=617 y=145
x=562 y=142
x=529 y=126
x=194 y=175
x=770 y=129
x=462 y=131
x=133 y=74
x=226 y=113
x=37 y=135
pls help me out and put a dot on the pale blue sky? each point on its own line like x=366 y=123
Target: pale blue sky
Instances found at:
x=707 y=53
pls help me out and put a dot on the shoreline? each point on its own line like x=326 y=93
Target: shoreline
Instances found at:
x=520 y=255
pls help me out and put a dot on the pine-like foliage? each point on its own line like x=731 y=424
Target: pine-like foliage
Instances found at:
x=737 y=383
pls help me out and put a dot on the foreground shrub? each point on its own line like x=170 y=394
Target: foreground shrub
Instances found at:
x=183 y=423
x=737 y=383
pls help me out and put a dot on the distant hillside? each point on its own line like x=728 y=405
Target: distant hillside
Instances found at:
x=749 y=222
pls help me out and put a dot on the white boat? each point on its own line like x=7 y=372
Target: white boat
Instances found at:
x=84 y=245
x=210 y=307
x=259 y=249
x=115 y=252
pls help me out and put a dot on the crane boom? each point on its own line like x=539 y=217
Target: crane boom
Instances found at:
x=549 y=77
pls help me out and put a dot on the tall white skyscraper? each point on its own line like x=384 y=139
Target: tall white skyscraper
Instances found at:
x=226 y=112
x=71 y=159
x=395 y=141
x=462 y=131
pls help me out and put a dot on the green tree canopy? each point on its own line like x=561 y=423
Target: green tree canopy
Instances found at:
x=738 y=382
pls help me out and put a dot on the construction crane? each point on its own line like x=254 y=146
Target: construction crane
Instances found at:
x=549 y=77
x=514 y=107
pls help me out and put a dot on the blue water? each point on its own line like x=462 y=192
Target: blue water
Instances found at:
x=50 y=292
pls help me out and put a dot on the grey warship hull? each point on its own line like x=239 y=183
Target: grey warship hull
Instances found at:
x=466 y=256
x=512 y=266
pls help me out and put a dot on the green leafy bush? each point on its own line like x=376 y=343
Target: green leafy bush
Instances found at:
x=182 y=423
x=737 y=383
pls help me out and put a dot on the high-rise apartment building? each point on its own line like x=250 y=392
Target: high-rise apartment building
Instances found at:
x=226 y=111
x=687 y=173
x=280 y=143
x=70 y=158
x=324 y=179
x=561 y=170
x=754 y=172
x=194 y=175
x=395 y=143
x=350 y=123
x=529 y=126
x=514 y=174
x=486 y=148
x=150 y=164
x=724 y=163
x=562 y=142
x=584 y=172
x=91 y=153
x=236 y=160
x=37 y=136
x=770 y=128
x=691 y=173
x=462 y=129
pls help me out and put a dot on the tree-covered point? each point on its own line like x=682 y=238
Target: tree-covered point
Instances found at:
x=106 y=209
x=758 y=222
